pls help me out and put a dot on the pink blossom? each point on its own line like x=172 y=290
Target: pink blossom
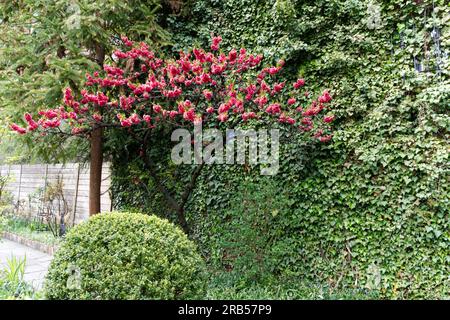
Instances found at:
x=126 y=102
x=208 y=94
x=18 y=129
x=223 y=117
x=189 y=115
x=278 y=87
x=232 y=55
x=157 y=108
x=328 y=119
x=113 y=71
x=291 y=101
x=134 y=118
x=97 y=117
x=248 y=115
x=32 y=125
x=120 y=54
x=273 y=108
x=325 y=97
x=224 y=107
x=238 y=106
x=265 y=87
x=173 y=114
x=186 y=65
x=299 y=83
x=318 y=133
x=261 y=101
x=307 y=121
x=51 y=123
x=217 y=68
x=251 y=90
x=77 y=130
x=50 y=114
x=325 y=138
x=173 y=70
x=215 y=43
x=285 y=119
x=273 y=70
x=126 y=123
x=205 y=78
x=126 y=41
x=72 y=115
x=68 y=97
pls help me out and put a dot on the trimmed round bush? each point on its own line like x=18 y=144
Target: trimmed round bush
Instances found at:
x=123 y=255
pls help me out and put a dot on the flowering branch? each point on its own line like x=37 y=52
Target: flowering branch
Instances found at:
x=140 y=91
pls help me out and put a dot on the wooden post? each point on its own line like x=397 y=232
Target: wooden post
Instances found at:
x=45 y=177
x=75 y=196
x=41 y=210
x=20 y=184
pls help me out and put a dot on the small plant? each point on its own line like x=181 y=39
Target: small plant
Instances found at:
x=55 y=208
x=16 y=269
x=12 y=284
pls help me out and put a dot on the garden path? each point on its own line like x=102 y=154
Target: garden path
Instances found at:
x=36 y=265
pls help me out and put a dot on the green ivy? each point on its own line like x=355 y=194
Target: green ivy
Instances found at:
x=371 y=210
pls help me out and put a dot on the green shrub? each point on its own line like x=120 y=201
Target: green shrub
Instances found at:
x=126 y=256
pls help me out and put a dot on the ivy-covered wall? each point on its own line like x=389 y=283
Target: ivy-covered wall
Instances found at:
x=371 y=210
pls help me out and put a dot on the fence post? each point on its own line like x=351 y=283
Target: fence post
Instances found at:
x=45 y=176
x=18 y=193
x=75 y=195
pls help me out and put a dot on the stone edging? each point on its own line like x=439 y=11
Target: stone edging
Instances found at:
x=46 y=248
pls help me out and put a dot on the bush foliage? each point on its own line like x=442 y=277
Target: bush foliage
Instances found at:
x=125 y=256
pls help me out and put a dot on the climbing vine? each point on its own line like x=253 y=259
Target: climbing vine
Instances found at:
x=370 y=210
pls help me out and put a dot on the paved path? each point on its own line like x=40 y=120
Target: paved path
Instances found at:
x=36 y=265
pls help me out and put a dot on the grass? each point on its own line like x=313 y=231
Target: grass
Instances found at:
x=30 y=229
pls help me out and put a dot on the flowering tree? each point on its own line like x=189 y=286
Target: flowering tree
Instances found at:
x=140 y=91
x=48 y=44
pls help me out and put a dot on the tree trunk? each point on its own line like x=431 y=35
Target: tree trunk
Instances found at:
x=95 y=173
x=96 y=155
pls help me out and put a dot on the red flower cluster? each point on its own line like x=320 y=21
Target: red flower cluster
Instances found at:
x=141 y=89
